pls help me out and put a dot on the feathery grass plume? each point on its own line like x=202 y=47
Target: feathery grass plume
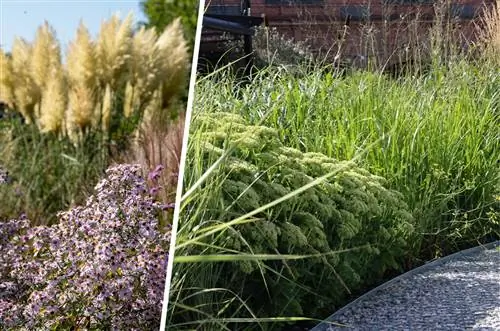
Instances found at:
x=152 y=109
x=81 y=71
x=128 y=102
x=145 y=68
x=46 y=55
x=54 y=101
x=490 y=36
x=25 y=87
x=107 y=104
x=113 y=50
x=6 y=80
x=174 y=50
x=81 y=58
x=81 y=107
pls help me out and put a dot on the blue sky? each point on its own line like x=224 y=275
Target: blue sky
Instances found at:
x=23 y=17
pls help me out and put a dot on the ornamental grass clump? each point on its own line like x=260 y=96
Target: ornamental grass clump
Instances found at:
x=435 y=137
x=101 y=267
x=6 y=80
x=352 y=226
x=103 y=82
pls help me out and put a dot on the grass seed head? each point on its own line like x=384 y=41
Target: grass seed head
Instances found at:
x=174 y=51
x=6 y=80
x=26 y=90
x=81 y=106
x=46 y=54
x=107 y=105
x=145 y=64
x=81 y=58
x=54 y=102
x=490 y=35
x=113 y=49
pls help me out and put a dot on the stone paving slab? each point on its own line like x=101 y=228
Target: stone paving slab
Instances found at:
x=457 y=292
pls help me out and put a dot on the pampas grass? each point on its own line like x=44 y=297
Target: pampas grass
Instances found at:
x=54 y=101
x=6 y=80
x=117 y=74
x=173 y=66
x=25 y=91
x=46 y=55
x=113 y=50
x=81 y=72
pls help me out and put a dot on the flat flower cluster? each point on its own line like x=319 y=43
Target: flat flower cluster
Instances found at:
x=102 y=266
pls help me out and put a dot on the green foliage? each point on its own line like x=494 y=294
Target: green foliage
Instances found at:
x=435 y=135
x=353 y=209
x=160 y=13
x=48 y=174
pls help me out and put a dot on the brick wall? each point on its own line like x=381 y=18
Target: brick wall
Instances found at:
x=384 y=30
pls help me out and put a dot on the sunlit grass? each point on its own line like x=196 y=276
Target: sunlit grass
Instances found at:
x=437 y=134
x=435 y=137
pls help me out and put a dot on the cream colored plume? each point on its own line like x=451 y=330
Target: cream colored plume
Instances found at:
x=46 y=54
x=80 y=108
x=54 y=102
x=129 y=103
x=25 y=91
x=6 y=80
x=145 y=68
x=107 y=105
x=81 y=59
x=81 y=71
x=113 y=50
x=174 y=54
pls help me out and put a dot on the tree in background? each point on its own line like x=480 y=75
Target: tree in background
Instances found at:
x=160 y=13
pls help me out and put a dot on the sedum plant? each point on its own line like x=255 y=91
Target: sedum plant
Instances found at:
x=101 y=267
x=352 y=210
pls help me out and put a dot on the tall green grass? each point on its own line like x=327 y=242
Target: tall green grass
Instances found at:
x=47 y=174
x=436 y=135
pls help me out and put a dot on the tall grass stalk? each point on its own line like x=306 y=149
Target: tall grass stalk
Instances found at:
x=195 y=296
x=438 y=134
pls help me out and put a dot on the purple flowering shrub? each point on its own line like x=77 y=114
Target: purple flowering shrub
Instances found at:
x=102 y=266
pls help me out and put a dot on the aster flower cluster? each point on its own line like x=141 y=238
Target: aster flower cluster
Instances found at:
x=101 y=267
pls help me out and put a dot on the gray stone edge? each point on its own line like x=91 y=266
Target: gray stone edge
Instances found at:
x=428 y=265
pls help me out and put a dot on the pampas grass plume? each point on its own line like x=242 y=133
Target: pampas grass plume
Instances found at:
x=174 y=50
x=46 y=54
x=145 y=68
x=80 y=107
x=113 y=50
x=81 y=71
x=107 y=105
x=6 y=80
x=25 y=88
x=81 y=58
x=54 y=101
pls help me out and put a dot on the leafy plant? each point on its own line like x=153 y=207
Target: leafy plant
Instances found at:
x=352 y=209
x=435 y=135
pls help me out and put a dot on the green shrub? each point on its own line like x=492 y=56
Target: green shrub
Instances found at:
x=353 y=209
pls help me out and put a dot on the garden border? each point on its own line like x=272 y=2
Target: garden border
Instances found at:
x=428 y=265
